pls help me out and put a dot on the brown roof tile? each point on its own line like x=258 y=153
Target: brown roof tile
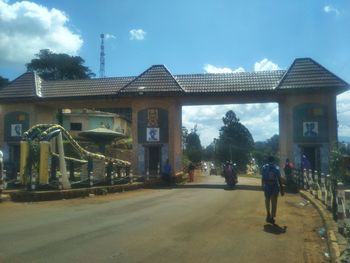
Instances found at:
x=230 y=82
x=86 y=87
x=22 y=87
x=305 y=73
x=156 y=79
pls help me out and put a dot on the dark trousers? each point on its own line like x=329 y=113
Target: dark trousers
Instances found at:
x=271 y=205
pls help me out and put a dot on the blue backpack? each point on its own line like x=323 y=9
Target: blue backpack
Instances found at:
x=270 y=174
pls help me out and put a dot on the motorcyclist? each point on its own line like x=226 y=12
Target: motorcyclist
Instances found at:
x=230 y=173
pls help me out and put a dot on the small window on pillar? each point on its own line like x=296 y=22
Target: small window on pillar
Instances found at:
x=75 y=126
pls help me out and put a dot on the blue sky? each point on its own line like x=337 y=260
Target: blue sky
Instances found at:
x=188 y=37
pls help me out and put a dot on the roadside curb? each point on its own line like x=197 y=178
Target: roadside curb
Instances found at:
x=330 y=225
x=35 y=196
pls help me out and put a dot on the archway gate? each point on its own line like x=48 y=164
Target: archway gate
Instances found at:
x=306 y=95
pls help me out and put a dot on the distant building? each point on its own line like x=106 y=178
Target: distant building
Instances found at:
x=78 y=120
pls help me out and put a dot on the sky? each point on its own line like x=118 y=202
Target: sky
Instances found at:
x=187 y=36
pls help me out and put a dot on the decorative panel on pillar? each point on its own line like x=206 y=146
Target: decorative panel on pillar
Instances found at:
x=310 y=123
x=152 y=126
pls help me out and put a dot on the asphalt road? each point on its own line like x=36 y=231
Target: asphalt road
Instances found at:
x=199 y=222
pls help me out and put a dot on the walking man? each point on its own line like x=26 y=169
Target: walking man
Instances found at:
x=272 y=185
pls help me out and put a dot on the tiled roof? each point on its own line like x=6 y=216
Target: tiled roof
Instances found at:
x=85 y=87
x=306 y=73
x=22 y=87
x=230 y=82
x=156 y=79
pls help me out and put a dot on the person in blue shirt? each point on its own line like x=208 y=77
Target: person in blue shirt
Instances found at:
x=272 y=185
x=167 y=172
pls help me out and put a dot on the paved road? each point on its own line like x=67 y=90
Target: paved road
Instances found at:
x=200 y=222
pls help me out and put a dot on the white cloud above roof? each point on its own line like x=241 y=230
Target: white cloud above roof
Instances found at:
x=265 y=64
x=331 y=9
x=137 y=34
x=27 y=27
x=254 y=116
x=208 y=68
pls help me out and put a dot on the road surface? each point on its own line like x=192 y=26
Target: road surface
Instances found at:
x=198 y=222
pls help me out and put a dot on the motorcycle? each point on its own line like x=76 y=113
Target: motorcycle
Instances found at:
x=230 y=174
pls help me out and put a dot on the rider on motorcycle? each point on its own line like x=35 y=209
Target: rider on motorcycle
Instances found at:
x=230 y=173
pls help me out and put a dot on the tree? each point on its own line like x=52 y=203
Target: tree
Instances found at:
x=52 y=66
x=264 y=149
x=3 y=82
x=235 y=141
x=193 y=147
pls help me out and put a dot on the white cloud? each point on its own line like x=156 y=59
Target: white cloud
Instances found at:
x=27 y=27
x=331 y=9
x=261 y=119
x=137 y=34
x=265 y=64
x=254 y=116
x=109 y=36
x=208 y=68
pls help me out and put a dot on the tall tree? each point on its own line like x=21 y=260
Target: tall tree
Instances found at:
x=52 y=66
x=3 y=82
x=235 y=142
x=193 y=147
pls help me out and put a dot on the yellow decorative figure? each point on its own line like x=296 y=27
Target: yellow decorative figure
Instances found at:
x=24 y=148
x=44 y=163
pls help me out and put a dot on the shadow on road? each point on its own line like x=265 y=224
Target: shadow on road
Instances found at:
x=208 y=186
x=275 y=229
x=248 y=187
x=203 y=186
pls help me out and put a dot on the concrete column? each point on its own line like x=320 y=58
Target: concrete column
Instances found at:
x=134 y=134
x=175 y=137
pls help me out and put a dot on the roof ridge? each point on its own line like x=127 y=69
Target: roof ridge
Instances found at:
x=231 y=73
x=313 y=64
x=148 y=70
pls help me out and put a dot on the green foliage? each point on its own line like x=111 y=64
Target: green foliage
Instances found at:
x=264 y=149
x=52 y=66
x=3 y=82
x=125 y=143
x=335 y=164
x=185 y=162
x=32 y=165
x=193 y=148
x=235 y=142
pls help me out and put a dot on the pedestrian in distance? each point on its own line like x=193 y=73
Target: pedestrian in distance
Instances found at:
x=305 y=163
x=167 y=172
x=272 y=186
x=288 y=171
x=191 y=169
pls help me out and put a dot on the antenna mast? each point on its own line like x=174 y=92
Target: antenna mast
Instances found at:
x=102 y=57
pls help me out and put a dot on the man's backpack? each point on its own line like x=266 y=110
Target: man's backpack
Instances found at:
x=270 y=176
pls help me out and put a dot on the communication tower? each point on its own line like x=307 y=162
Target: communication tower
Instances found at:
x=102 y=57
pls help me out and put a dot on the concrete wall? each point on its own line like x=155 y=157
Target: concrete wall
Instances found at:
x=173 y=148
x=289 y=148
x=45 y=112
